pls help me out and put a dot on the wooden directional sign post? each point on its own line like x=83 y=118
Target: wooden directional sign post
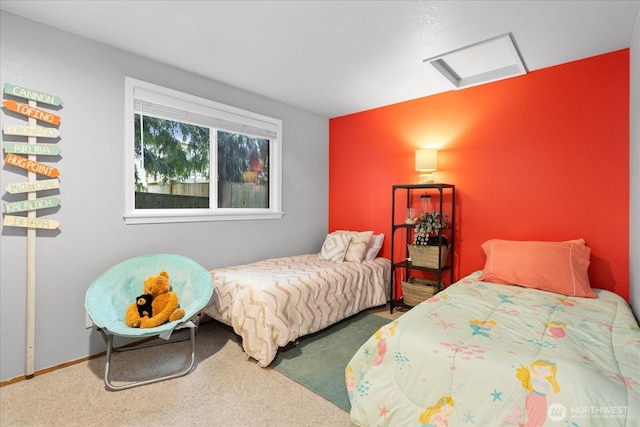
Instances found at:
x=14 y=157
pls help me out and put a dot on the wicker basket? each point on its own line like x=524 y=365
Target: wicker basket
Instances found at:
x=427 y=256
x=416 y=290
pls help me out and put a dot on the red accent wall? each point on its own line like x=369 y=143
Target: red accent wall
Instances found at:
x=544 y=156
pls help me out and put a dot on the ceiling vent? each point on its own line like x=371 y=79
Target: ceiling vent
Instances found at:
x=487 y=61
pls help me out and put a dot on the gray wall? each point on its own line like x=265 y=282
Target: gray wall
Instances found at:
x=89 y=78
x=634 y=174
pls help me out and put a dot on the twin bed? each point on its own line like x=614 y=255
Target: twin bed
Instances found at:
x=524 y=342
x=487 y=353
x=273 y=302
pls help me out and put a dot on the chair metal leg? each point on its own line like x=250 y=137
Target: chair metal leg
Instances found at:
x=110 y=386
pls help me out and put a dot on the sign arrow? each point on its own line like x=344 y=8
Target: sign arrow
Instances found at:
x=27 y=110
x=36 y=131
x=29 y=186
x=31 y=94
x=31 y=205
x=25 y=222
x=36 y=149
x=31 y=166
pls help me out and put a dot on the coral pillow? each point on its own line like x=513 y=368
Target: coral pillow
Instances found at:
x=559 y=267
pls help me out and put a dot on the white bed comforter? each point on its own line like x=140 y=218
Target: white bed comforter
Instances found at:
x=273 y=302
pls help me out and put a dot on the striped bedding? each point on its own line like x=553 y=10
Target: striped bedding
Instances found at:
x=273 y=302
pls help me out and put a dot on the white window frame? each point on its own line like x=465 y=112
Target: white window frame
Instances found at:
x=217 y=116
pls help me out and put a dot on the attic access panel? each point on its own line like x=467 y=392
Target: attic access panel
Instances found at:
x=487 y=61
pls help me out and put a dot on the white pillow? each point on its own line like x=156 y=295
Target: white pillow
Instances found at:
x=358 y=246
x=374 y=246
x=335 y=247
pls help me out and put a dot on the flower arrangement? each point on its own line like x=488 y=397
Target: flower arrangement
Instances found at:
x=429 y=224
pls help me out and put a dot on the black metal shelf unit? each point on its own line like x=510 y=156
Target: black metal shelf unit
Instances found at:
x=400 y=256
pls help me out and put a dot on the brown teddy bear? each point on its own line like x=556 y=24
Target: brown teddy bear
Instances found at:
x=164 y=304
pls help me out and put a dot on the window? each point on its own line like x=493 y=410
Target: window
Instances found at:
x=192 y=159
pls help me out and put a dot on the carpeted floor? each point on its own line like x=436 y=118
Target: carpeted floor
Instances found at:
x=318 y=361
x=225 y=389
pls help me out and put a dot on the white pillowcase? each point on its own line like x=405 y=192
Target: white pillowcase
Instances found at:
x=374 y=246
x=335 y=247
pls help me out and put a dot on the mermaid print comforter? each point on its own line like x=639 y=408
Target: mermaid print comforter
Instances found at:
x=483 y=354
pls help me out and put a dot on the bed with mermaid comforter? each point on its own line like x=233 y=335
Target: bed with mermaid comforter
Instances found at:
x=487 y=353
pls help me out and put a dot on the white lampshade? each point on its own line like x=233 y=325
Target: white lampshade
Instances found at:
x=426 y=160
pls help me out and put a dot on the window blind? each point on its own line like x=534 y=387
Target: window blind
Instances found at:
x=152 y=104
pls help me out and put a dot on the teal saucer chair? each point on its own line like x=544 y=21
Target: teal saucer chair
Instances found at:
x=114 y=290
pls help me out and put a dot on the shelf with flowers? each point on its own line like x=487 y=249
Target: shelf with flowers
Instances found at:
x=430 y=247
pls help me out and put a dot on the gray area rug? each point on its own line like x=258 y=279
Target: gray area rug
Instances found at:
x=319 y=360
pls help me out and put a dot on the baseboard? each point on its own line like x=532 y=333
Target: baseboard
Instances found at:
x=51 y=369
x=72 y=362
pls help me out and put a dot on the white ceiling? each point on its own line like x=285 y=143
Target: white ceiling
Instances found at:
x=337 y=57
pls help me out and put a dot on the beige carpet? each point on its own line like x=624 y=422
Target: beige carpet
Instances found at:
x=225 y=389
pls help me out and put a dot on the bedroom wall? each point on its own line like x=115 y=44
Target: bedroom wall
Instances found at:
x=544 y=156
x=634 y=212
x=89 y=78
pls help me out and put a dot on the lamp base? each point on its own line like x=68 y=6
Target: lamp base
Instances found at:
x=426 y=178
